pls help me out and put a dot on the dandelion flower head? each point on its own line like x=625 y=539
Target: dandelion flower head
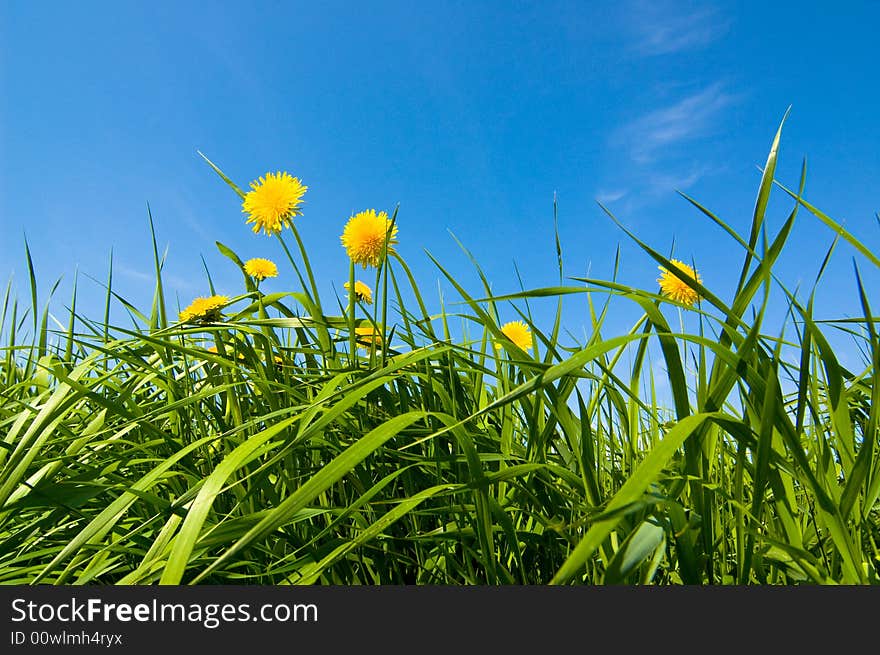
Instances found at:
x=204 y=308
x=273 y=201
x=364 y=237
x=518 y=332
x=362 y=292
x=676 y=288
x=367 y=336
x=260 y=269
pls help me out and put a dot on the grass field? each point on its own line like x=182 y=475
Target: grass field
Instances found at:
x=286 y=438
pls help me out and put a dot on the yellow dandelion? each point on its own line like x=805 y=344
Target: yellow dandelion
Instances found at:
x=260 y=269
x=204 y=309
x=519 y=333
x=367 y=336
x=273 y=201
x=362 y=292
x=676 y=288
x=364 y=237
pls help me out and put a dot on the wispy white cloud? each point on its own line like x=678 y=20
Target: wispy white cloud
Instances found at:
x=612 y=195
x=659 y=147
x=691 y=117
x=182 y=209
x=661 y=182
x=650 y=185
x=662 y=29
x=134 y=274
x=173 y=281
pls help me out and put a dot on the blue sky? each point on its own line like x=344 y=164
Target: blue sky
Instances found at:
x=469 y=115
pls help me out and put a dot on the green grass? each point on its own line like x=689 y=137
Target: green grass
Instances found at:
x=134 y=455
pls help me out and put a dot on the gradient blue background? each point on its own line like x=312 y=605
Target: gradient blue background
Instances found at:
x=470 y=115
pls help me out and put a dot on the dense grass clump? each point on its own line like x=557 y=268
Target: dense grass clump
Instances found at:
x=273 y=439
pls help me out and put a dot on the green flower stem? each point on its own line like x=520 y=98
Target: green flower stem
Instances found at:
x=316 y=311
x=352 y=341
x=232 y=411
x=308 y=266
x=384 y=270
x=266 y=330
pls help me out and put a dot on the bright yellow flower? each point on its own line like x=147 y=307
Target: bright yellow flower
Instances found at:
x=519 y=333
x=678 y=289
x=273 y=201
x=204 y=308
x=260 y=269
x=364 y=237
x=367 y=336
x=362 y=292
